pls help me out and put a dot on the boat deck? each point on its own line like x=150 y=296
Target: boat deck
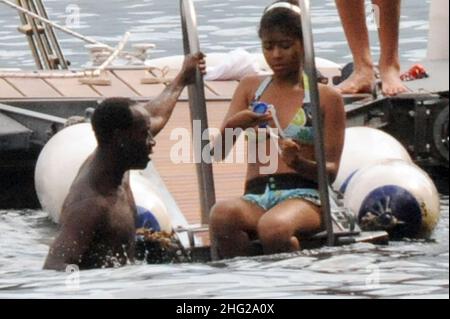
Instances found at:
x=123 y=82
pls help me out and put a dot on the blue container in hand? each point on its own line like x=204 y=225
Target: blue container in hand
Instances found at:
x=261 y=108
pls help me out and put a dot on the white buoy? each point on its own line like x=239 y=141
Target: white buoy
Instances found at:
x=222 y=61
x=59 y=163
x=396 y=196
x=364 y=146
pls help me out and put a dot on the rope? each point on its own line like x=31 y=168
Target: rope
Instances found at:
x=113 y=56
x=67 y=30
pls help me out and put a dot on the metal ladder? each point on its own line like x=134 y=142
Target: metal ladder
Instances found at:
x=41 y=37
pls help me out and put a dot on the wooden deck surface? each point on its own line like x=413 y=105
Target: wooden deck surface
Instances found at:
x=181 y=179
x=123 y=82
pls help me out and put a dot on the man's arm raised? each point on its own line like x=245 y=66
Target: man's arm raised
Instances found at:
x=161 y=108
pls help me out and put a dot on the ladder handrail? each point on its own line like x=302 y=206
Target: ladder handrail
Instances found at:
x=197 y=102
x=52 y=36
x=31 y=43
x=310 y=70
x=36 y=35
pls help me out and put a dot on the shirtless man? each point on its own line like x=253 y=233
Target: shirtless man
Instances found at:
x=353 y=18
x=98 y=215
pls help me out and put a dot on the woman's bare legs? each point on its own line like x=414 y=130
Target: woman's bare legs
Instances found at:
x=232 y=226
x=235 y=223
x=279 y=227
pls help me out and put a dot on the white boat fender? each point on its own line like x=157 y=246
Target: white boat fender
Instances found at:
x=396 y=196
x=364 y=146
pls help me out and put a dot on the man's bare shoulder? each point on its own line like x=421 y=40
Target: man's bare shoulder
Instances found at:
x=140 y=107
x=92 y=207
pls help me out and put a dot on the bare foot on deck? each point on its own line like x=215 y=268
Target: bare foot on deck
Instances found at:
x=358 y=82
x=391 y=83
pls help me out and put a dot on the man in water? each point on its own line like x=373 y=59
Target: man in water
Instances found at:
x=98 y=215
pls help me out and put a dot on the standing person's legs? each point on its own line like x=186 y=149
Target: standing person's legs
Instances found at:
x=352 y=13
x=389 y=30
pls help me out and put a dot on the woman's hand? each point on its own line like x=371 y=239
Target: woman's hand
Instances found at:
x=247 y=119
x=290 y=152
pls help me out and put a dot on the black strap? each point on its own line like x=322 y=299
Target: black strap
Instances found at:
x=278 y=182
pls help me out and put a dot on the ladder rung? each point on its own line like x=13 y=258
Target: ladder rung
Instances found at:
x=53 y=58
x=41 y=37
x=28 y=30
x=54 y=61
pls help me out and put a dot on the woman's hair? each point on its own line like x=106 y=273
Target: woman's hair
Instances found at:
x=284 y=20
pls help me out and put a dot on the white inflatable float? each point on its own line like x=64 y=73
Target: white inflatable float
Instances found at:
x=394 y=195
x=60 y=161
x=364 y=146
x=383 y=187
x=238 y=63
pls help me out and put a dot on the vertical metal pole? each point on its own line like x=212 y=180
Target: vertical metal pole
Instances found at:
x=52 y=36
x=198 y=109
x=37 y=36
x=31 y=43
x=43 y=36
x=310 y=70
